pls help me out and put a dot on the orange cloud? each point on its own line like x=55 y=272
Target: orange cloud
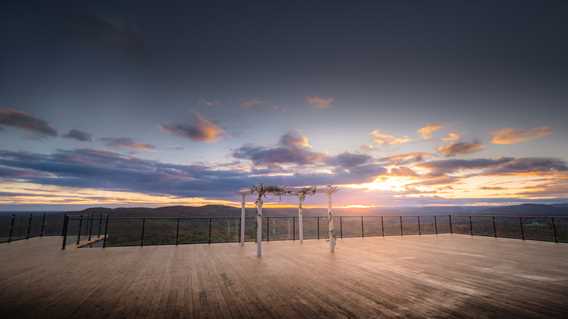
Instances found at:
x=427 y=131
x=381 y=138
x=516 y=136
x=452 y=137
x=460 y=148
x=319 y=102
x=202 y=130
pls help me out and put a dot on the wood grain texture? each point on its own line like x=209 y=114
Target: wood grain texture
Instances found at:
x=446 y=276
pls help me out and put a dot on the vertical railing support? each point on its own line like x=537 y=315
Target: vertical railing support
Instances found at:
x=554 y=233
x=451 y=224
x=522 y=228
x=106 y=231
x=362 y=228
x=64 y=231
x=318 y=226
x=401 y=227
x=341 y=227
x=142 y=232
x=29 y=229
x=79 y=231
x=100 y=225
x=419 y=227
x=267 y=228
x=293 y=227
x=242 y=225
x=494 y=226
x=436 y=224
x=90 y=227
x=210 y=227
x=43 y=221
x=470 y=226
x=383 y=226
x=11 y=231
x=177 y=231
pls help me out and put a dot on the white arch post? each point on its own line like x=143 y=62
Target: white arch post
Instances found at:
x=259 y=202
x=331 y=225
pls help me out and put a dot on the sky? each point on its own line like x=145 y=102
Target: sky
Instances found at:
x=400 y=103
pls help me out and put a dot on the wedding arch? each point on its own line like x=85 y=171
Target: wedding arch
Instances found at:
x=261 y=191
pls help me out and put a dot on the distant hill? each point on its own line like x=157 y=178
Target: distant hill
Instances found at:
x=528 y=210
x=228 y=211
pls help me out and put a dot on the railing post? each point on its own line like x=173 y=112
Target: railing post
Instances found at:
x=522 y=228
x=318 y=226
x=177 y=231
x=106 y=232
x=419 y=228
x=142 y=232
x=100 y=225
x=90 y=227
x=210 y=225
x=64 y=231
x=79 y=231
x=470 y=226
x=383 y=226
x=436 y=224
x=293 y=227
x=554 y=233
x=341 y=227
x=29 y=230
x=451 y=224
x=362 y=228
x=11 y=232
x=42 y=231
x=267 y=228
x=494 y=227
x=401 y=227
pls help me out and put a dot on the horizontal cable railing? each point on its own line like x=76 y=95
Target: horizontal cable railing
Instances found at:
x=107 y=231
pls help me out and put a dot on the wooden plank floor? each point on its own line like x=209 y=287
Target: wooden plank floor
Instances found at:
x=448 y=276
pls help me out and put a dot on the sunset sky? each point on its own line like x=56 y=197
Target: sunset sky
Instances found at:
x=401 y=103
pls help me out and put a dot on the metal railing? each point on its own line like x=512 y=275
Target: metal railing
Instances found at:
x=108 y=231
x=25 y=226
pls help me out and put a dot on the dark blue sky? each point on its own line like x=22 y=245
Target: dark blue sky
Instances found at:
x=220 y=84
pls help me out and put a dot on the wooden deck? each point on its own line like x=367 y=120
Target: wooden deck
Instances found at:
x=448 y=276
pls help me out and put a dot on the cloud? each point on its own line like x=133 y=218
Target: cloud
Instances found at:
x=201 y=130
x=319 y=102
x=402 y=171
x=460 y=148
x=529 y=165
x=349 y=160
x=249 y=104
x=406 y=158
x=516 y=136
x=382 y=138
x=452 y=137
x=442 y=167
x=24 y=121
x=294 y=139
x=427 y=131
x=126 y=142
x=292 y=148
x=78 y=135
x=498 y=166
x=87 y=168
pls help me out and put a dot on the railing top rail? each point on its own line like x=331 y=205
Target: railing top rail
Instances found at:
x=74 y=217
